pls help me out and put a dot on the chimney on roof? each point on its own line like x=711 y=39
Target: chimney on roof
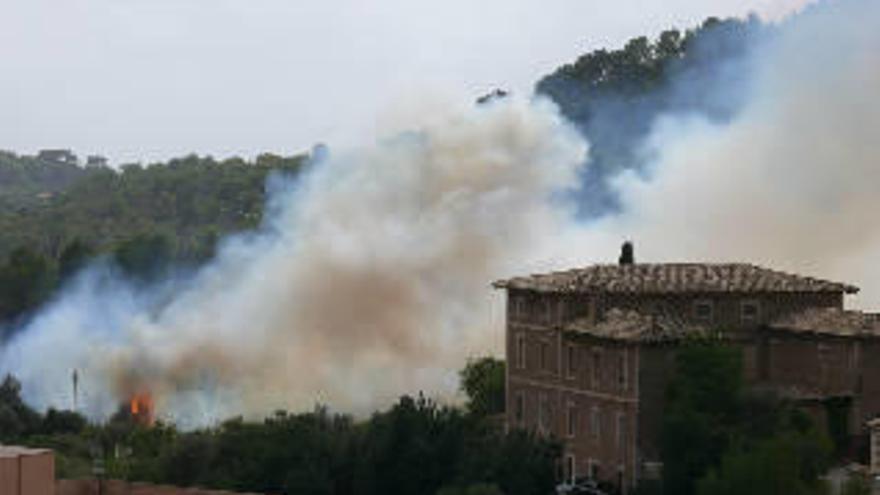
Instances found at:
x=627 y=254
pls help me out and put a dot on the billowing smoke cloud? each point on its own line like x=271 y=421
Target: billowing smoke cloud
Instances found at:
x=370 y=279
x=792 y=182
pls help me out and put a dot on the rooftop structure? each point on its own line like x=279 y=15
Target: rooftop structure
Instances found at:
x=591 y=350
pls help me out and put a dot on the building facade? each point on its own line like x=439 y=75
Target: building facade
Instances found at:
x=590 y=352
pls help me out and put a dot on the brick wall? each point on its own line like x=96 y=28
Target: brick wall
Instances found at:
x=577 y=388
x=572 y=386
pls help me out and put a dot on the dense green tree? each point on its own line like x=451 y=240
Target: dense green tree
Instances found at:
x=483 y=380
x=73 y=258
x=701 y=412
x=145 y=256
x=789 y=462
x=26 y=280
x=17 y=420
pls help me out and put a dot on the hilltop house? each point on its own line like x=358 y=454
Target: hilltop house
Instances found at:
x=590 y=351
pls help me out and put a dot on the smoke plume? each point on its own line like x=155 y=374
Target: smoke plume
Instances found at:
x=791 y=182
x=370 y=279
x=371 y=276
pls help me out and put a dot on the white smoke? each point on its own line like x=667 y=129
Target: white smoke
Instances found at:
x=370 y=279
x=793 y=182
x=372 y=275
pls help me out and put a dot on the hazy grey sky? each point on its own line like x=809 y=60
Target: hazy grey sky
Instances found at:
x=151 y=79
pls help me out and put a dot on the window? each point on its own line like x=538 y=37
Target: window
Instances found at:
x=571 y=419
x=749 y=311
x=549 y=310
x=520 y=408
x=571 y=352
x=543 y=412
x=621 y=433
x=597 y=368
x=593 y=470
x=545 y=355
x=520 y=351
x=596 y=422
x=620 y=478
x=622 y=371
x=570 y=474
x=704 y=311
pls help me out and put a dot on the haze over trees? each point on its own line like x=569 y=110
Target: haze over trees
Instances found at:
x=58 y=215
x=614 y=97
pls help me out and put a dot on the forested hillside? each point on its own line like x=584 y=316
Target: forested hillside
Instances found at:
x=57 y=214
x=615 y=96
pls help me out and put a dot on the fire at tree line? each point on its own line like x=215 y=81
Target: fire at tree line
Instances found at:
x=522 y=430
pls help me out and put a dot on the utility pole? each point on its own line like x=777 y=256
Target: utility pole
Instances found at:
x=75 y=390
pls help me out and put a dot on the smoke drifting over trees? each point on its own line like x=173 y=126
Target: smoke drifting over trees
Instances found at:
x=790 y=181
x=371 y=274
x=369 y=278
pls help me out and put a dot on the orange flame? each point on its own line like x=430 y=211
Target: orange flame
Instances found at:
x=141 y=408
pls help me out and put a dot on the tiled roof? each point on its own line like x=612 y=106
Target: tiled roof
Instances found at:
x=632 y=326
x=831 y=321
x=673 y=278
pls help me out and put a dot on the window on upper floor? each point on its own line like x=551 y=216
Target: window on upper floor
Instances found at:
x=520 y=408
x=545 y=355
x=520 y=351
x=571 y=420
x=597 y=369
x=622 y=370
x=549 y=310
x=543 y=412
x=595 y=422
x=704 y=311
x=515 y=307
x=571 y=360
x=749 y=311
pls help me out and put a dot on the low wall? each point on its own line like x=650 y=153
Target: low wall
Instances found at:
x=116 y=487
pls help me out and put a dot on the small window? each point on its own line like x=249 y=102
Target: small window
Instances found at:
x=596 y=422
x=621 y=433
x=516 y=307
x=749 y=311
x=549 y=311
x=520 y=408
x=622 y=371
x=593 y=472
x=704 y=311
x=570 y=474
x=520 y=351
x=597 y=369
x=545 y=355
x=571 y=352
x=543 y=412
x=571 y=419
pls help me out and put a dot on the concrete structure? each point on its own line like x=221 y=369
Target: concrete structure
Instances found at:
x=590 y=352
x=26 y=471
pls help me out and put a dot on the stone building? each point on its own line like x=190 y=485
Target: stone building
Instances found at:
x=590 y=351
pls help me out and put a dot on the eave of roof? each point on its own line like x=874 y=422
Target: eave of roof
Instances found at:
x=665 y=278
x=833 y=322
